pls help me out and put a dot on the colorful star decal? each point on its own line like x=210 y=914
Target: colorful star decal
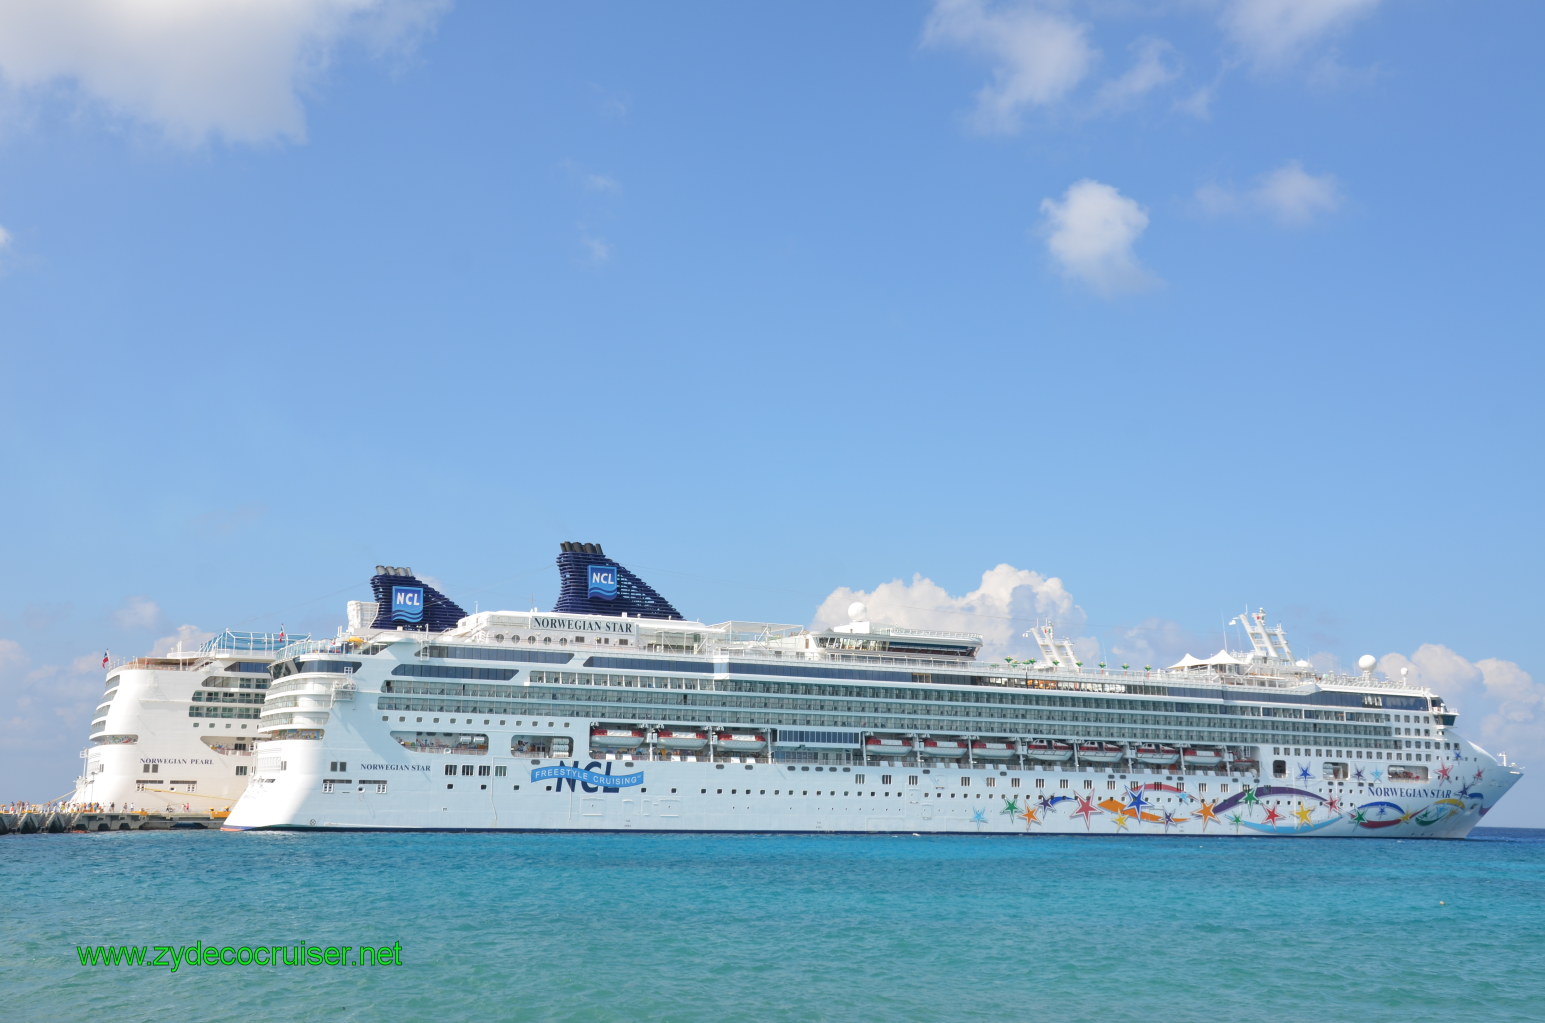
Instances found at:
x=1010 y=807
x=1479 y=775
x=1360 y=817
x=979 y=817
x=1378 y=775
x=1333 y=805
x=1086 y=809
x=1169 y=821
x=1303 y=773
x=1030 y=816
x=1135 y=800
x=1236 y=820
x=1443 y=772
x=1046 y=802
x=1303 y=814
x=1358 y=774
x=1121 y=822
x=1272 y=816
x=1249 y=796
x=1206 y=814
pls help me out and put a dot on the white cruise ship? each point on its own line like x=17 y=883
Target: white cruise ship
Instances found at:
x=613 y=713
x=179 y=730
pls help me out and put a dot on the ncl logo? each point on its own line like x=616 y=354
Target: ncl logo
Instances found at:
x=603 y=581
x=408 y=604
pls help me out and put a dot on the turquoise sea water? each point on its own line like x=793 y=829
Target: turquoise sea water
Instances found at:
x=596 y=928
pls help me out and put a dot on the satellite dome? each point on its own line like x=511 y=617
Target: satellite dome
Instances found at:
x=857 y=612
x=1367 y=661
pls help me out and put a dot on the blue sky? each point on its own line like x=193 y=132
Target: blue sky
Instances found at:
x=1171 y=308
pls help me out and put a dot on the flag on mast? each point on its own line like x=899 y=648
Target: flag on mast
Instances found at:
x=104 y=658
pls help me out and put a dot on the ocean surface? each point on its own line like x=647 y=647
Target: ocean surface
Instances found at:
x=597 y=928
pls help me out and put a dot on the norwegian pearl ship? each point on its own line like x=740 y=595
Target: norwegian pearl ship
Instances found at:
x=614 y=713
x=179 y=729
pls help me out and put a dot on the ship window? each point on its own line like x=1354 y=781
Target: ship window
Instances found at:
x=484 y=770
x=499 y=772
x=466 y=769
x=450 y=769
x=885 y=779
x=1040 y=783
x=240 y=771
x=965 y=781
x=451 y=785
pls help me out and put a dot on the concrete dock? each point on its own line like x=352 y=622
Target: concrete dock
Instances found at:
x=45 y=820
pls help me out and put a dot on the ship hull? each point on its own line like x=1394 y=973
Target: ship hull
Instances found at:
x=403 y=794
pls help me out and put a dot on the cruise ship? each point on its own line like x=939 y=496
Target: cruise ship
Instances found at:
x=614 y=713
x=178 y=731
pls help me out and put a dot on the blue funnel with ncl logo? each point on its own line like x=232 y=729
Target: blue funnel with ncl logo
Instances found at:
x=405 y=601
x=590 y=583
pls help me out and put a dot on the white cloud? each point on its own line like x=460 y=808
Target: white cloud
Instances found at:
x=597 y=252
x=1156 y=642
x=1273 y=34
x=194 y=69
x=1157 y=64
x=187 y=637
x=11 y=654
x=5 y=237
x=1091 y=234
x=1501 y=706
x=138 y=613
x=1290 y=195
x=1198 y=104
x=1008 y=601
x=601 y=183
x=1296 y=197
x=1037 y=55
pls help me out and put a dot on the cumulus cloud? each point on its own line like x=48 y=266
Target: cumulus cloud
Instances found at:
x=1156 y=64
x=1008 y=601
x=195 y=69
x=1290 y=195
x=1092 y=232
x=187 y=637
x=1037 y=55
x=46 y=710
x=1159 y=642
x=1502 y=706
x=138 y=613
x=1273 y=34
x=5 y=237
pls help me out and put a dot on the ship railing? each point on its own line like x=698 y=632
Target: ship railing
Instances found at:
x=317 y=646
x=1023 y=673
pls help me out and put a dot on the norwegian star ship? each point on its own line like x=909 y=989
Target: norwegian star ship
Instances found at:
x=179 y=729
x=612 y=712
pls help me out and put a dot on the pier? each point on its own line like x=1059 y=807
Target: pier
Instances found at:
x=53 y=820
